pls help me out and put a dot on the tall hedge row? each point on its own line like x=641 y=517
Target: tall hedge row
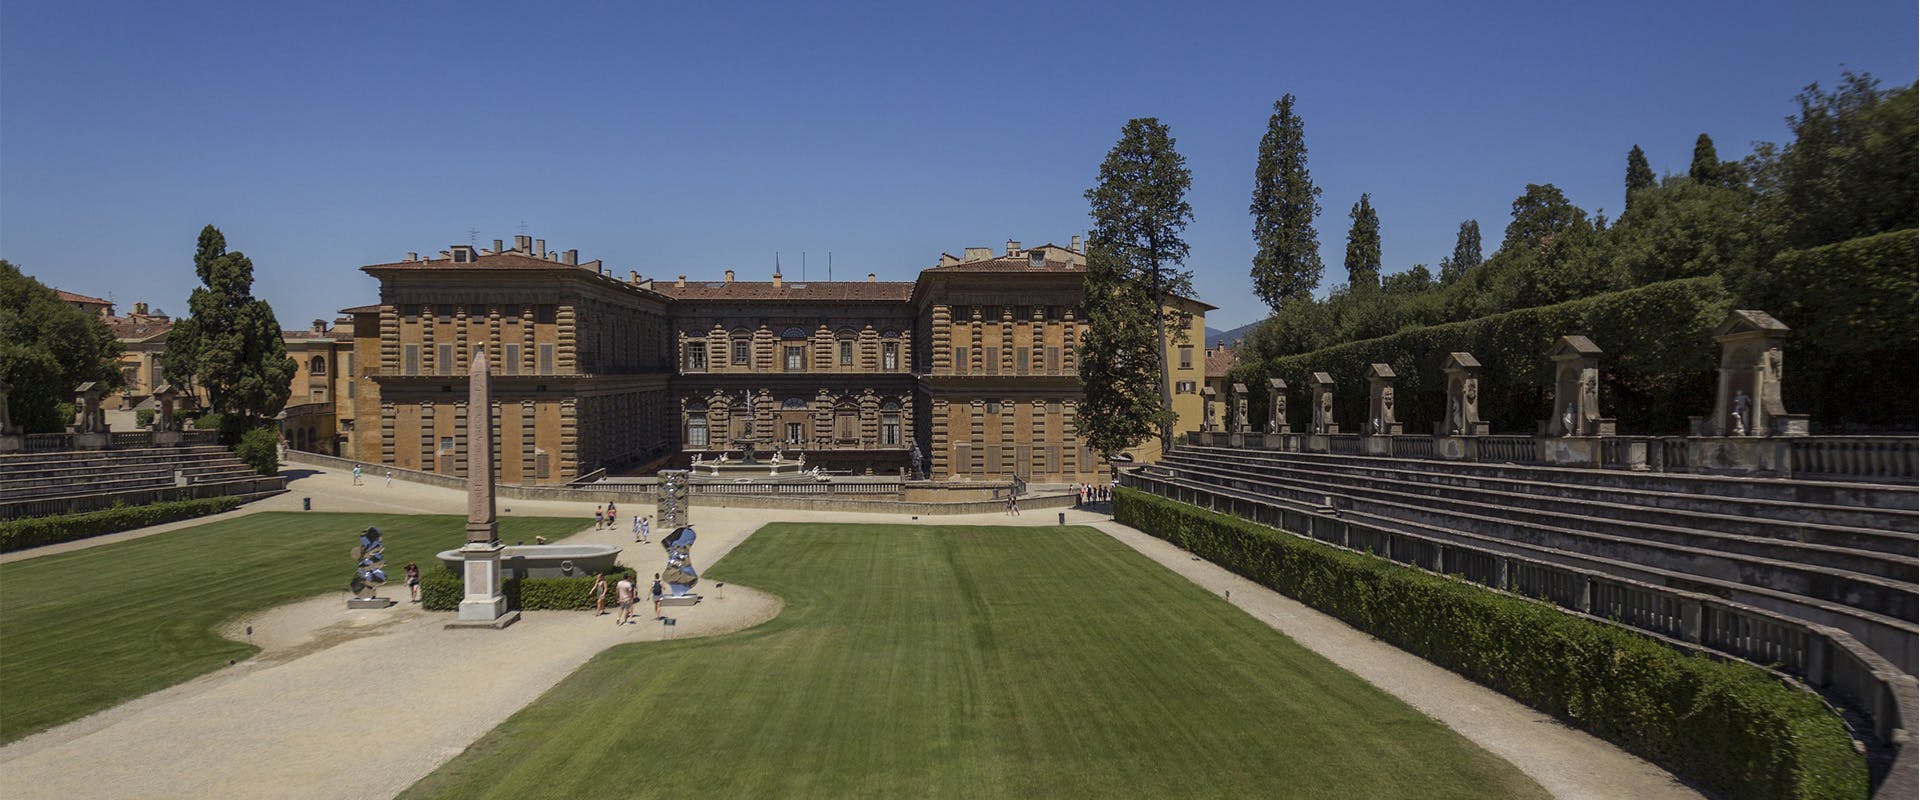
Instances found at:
x=441 y=590
x=19 y=534
x=1851 y=357
x=1731 y=727
x=1657 y=370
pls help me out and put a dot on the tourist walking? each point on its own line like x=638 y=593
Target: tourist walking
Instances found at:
x=657 y=591
x=356 y=474
x=599 y=594
x=623 y=591
x=413 y=580
x=613 y=517
x=389 y=479
x=641 y=527
x=599 y=517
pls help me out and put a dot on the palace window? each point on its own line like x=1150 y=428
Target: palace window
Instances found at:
x=890 y=424
x=796 y=433
x=1053 y=361
x=741 y=349
x=993 y=361
x=696 y=355
x=961 y=361
x=697 y=430
x=846 y=352
x=445 y=360
x=846 y=426
x=410 y=362
x=1020 y=360
x=1186 y=358
x=796 y=358
x=318 y=366
x=890 y=356
x=543 y=314
x=512 y=360
x=546 y=359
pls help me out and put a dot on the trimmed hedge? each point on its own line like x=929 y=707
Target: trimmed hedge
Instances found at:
x=1851 y=356
x=1732 y=727
x=1658 y=367
x=20 y=534
x=442 y=589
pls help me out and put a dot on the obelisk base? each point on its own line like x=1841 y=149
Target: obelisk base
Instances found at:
x=484 y=606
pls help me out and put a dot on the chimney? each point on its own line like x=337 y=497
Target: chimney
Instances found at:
x=540 y=248
x=319 y=326
x=776 y=279
x=411 y=256
x=1075 y=245
x=681 y=283
x=729 y=276
x=646 y=283
x=523 y=244
x=595 y=266
x=634 y=276
x=570 y=257
x=870 y=277
x=496 y=247
x=139 y=309
x=1013 y=247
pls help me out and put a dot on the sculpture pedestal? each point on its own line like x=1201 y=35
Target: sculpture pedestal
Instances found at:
x=1570 y=451
x=680 y=600
x=1739 y=455
x=1377 y=445
x=1457 y=448
x=166 y=438
x=371 y=602
x=12 y=443
x=91 y=441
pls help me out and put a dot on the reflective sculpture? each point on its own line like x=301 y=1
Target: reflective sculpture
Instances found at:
x=371 y=573
x=679 y=575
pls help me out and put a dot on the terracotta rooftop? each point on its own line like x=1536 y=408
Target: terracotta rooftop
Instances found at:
x=802 y=291
x=372 y=309
x=1220 y=360
x=483 y=261
x=80 y=298
x=135 y=329
x=1020 y=263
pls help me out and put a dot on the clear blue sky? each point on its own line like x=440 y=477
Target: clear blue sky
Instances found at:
x=690 y=138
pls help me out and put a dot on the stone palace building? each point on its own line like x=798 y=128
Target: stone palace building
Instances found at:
x=975 y=363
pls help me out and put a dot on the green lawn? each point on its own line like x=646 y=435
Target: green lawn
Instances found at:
x=971 y=662
x=89 y=629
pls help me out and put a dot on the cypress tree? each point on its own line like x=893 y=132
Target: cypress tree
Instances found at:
x=1363 y=246
x=1640 y=174
x=1466 y=253
x=1286 y=263
x=1705 y=169
x=1139 y=209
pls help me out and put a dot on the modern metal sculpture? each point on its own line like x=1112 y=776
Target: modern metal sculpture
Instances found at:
x=370 y=573
x=679 y=575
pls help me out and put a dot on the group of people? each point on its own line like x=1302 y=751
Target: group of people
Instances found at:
x=625 y=593
x=607 y=517
x=1090 y=493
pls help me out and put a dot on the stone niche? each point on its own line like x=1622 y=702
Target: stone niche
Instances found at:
x=1576 y=390
x=1323 y=423
x=11 y=440
x=89 y=419
x=1380 y=401
x=1239 y=422
x=1207 y=422
x=1277 y=407
x=1463 y=398
x=1747 y=402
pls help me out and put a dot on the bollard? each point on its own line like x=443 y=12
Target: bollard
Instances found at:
x=306 y=504
x=1063 y=517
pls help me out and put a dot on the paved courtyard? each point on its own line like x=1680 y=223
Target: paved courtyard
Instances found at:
x=364 y=703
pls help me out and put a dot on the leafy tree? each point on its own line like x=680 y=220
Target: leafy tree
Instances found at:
x=1851 y=169
x=1551 y=253
x=1285 y=201
x=47 y=349
x=1123 y=405
x=1414 y=280
x=1139 y=210
x=1302 y=325
x=1363 y=246
x=1685 y=229
x=1466 y=253
x=1639 y=175
x=231 y=344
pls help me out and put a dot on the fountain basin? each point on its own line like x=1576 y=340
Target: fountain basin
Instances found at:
x=545 y=560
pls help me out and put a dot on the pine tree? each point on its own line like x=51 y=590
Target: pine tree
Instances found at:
x=1705 y=169
x=1285 y=201
x=1139 y=210
x=1466 y=253
x=231 y=344
x=1639 y=175
x=1123 y=405
x=1363 y=246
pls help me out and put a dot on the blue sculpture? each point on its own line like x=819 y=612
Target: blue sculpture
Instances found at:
x=679 y=574
x=371 y=573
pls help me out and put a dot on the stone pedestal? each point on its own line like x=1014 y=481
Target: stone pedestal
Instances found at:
x=1323 y=423
x=1570 y=451
x=1457 y=448
x=91 y=440
x=1463 y=398
x=1739 y=455
x=12 y=443
x=1380 y=402
x=1277 y=407
x=483 y=602
x=371 y=602
x=1207 y=419
x=165 y=438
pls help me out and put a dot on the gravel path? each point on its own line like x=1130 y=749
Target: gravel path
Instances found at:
x=364 y=703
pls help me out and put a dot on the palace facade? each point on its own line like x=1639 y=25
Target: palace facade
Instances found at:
x=975 y=365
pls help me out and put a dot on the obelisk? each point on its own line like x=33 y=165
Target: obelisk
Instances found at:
x=484 y=604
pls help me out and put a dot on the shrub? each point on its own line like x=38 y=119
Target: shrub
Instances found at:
x=260 y=448
x=210 y=421
x=20 y=534
x=442 y=589
x=1727 y=725
x=143 y=418
x=1658 y=367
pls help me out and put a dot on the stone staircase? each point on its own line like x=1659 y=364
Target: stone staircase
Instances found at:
x=1844 y=555
x=42 y=484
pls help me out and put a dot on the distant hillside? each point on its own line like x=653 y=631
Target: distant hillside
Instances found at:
x=1215 y=338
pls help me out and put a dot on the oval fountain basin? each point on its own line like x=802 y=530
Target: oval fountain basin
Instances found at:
x=545 y=560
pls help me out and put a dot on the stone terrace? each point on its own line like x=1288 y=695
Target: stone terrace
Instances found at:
x=40 y=484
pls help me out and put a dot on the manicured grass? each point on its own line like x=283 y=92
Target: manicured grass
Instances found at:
x=971 y=662
x=89 y=629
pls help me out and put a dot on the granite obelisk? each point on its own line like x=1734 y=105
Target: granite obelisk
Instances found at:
x=484 y=604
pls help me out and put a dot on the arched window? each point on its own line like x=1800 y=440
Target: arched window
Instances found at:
x=318 y=366
x=795 y=332
x=794 y=404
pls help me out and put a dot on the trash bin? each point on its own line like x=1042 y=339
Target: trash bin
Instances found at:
x=306 y=504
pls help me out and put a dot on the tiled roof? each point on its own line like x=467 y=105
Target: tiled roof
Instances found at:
x=484 y=261
x=1220 y=360
x=129 y=329
x=80 y=298
x=372 y=309
x=893 y=291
